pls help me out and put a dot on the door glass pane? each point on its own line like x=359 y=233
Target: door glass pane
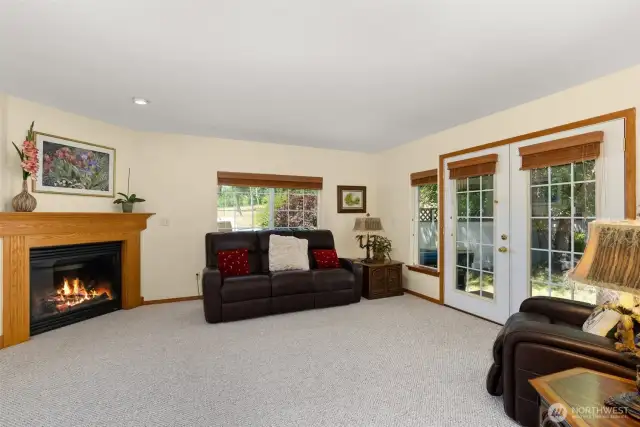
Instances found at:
x=474 y=204
x=474 y=183
x=560 y=200
x=474 y=236
x=540 y=201
x=562 y=205
x=462 y=204
x=561 y=234
x=487 y=203
x=487 y=258
x=487 y=182
x=540 y=234
x=486 y=284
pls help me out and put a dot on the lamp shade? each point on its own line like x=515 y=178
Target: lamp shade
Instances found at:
x=612 y=256
x=368 y=224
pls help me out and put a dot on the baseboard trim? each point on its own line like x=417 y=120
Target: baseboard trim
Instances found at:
x=474 y=315
x=419 y=295
x=168 y=300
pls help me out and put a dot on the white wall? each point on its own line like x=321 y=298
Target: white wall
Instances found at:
x=178 y=178
x=605 y=95
x=177 y=175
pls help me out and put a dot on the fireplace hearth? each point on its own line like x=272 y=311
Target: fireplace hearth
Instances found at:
x=72 y=283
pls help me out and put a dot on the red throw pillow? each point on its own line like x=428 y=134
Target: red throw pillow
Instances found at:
x=234 y=262
x=326 y=258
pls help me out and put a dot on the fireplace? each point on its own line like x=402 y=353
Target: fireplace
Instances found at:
x=72 y=283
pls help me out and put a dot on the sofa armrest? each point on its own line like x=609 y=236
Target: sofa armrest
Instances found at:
x=356 y=269
x=565 y=338
x=558 y=310
x=212 y=301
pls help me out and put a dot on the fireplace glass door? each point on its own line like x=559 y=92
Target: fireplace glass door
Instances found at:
x=73 y=283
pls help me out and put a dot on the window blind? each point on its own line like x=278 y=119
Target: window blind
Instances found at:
x=424 y=177
x=476 y=166
x=562 y=151
x=241 y=179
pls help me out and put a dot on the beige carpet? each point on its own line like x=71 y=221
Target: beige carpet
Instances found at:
x=392 y=362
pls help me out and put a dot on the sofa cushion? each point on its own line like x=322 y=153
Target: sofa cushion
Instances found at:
x=248 y=240
x=287 y=253
x=263 y=245
x=318 y=239
x=291 y=282
x=326 y=258
x=244 y=288
x=234 y=262
x=333 y=279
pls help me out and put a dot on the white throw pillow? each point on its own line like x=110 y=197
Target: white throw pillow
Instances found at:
x=601 y=322
x=288 y=253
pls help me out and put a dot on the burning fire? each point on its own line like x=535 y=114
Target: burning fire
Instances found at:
x=75 y=293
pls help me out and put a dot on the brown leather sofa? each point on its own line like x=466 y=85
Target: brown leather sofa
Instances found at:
x=263 y=292
x=543 y=338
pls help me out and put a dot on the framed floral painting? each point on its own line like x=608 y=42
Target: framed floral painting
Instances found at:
x=68 y=166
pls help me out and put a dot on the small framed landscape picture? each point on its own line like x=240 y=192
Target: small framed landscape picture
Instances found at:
x=68 y=166
x=352 y=199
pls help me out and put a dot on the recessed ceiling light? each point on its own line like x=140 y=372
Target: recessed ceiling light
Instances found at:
x=140 y=101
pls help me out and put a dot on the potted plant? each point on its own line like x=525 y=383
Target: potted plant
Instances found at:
x=381 y=247
x=128 y=200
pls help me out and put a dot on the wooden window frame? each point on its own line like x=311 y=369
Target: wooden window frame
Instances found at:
x=418 y=179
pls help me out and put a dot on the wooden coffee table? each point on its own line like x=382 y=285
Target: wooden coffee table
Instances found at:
x=581 y=392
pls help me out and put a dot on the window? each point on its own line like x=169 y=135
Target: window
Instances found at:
x=563 y=202
x=474 y=235
x=427 y=231
x=257 y=208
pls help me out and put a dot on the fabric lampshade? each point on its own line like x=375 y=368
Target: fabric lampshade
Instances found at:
x=368 y=224
x=612 y=256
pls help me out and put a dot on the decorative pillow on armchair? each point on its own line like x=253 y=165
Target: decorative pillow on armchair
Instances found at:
x=601 y=322
x=326 y=258
x=234 y=262
x=288 y=253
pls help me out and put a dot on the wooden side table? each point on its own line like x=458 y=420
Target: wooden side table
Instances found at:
x=581 y=392
x=380 y=280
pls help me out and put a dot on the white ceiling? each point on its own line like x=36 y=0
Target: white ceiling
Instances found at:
x=348 y=74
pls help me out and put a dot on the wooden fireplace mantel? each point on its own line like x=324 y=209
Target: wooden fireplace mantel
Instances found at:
x=23 y=231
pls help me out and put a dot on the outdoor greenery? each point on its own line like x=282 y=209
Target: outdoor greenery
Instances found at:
x=291 y=207
x=428 y=197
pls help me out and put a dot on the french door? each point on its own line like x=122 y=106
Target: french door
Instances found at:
x=476 y=231
x=514 y=233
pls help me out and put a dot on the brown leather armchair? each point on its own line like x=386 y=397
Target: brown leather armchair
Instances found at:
x=543 y=338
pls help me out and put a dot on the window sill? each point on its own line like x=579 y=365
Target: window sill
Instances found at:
x=424 y=270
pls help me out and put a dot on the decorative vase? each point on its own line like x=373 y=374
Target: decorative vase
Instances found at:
x=127 y=207
x=24 y=202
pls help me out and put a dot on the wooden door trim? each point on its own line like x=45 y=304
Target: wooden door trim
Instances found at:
x=629 y=116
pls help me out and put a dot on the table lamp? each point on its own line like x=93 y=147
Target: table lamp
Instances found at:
x=367 y=225
x=612 y=260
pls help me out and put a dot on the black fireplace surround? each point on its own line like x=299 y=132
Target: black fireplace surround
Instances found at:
x=72 y=283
